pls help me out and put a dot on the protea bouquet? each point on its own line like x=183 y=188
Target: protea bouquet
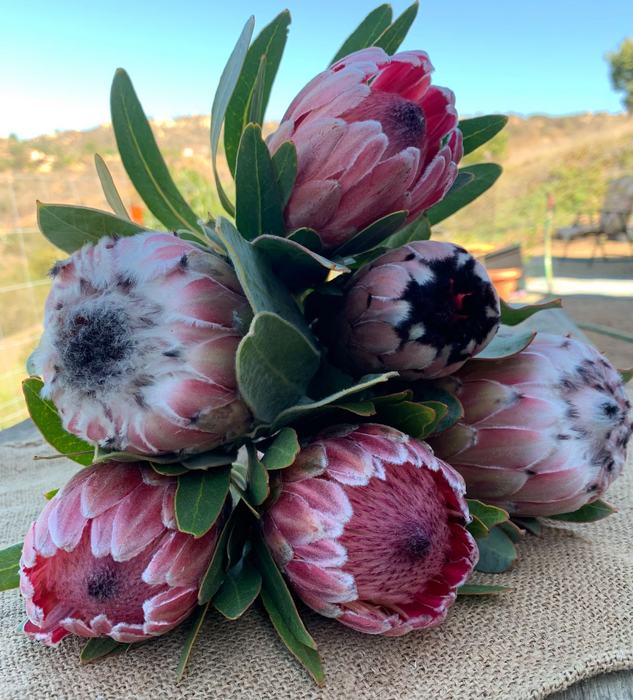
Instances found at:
x=248 y=395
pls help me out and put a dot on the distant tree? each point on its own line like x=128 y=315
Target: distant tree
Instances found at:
x=621 y=62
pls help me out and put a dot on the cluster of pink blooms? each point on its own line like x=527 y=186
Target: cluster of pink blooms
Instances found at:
x=369 y=525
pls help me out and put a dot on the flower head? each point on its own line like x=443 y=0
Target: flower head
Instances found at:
x=373 y=137
x=138 y=351
x=369 y=529
x=105 y=558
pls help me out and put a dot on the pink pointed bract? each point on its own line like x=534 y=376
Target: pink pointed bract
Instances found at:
x=421 y=310
x=544 y=431
x=105 y=558
x=369 y=528
x=139 y=343
x=373 y=137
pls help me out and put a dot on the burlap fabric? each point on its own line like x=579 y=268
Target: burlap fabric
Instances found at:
x=569 y=618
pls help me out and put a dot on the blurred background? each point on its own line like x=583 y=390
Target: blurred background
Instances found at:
x=562 y=70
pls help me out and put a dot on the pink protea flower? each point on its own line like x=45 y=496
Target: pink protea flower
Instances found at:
x=105 y=558
x=139 y=343
x=373 y=137
x=421 y=310
x=368 y=526
x=544 y=431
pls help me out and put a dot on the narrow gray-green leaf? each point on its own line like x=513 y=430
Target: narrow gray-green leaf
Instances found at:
x=395 y=34
x=256 y=115
x=69 y=227
x=475 y=589
x=10 y=567
x=511 y=315
x=239 y=590
x=209 y=460
x=530 y=524
x=175 y=469
x=109 y=188
x=200 y=497
x=496 y=552
x=283 y=451
x=197 y=617
x=143 y=161
x=285 y=164
x=216 y=571
x=374 y=234
x=479 y=130
x=418 y=230
x=99 y=647
x=367 y=32
x=258 y=489
x=503 y=346
x=308 y=238
x=589 y=513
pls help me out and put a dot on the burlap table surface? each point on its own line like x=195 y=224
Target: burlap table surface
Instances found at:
x=570 y=618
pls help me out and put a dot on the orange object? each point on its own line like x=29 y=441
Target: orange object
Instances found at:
x=137 y=214
x=505 y=280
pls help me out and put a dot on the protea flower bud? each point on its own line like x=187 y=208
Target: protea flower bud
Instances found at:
x=139 y=344
x=373 y=137
x=105 y=558
x=421 y=310
x=544 y=431
x=369 y=529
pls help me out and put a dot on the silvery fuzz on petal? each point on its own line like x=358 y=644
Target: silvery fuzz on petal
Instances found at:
x=421 y=310
x=544 y=432
x=105 y=558
x=373 y=137
x=369 y=528
x=139 y=343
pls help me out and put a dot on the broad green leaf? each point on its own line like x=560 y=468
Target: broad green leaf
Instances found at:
x=512 y=530
x=256 y=115
x=475 y=589
x=398 y=397
x=200 y=497
x=479 y=130
x=143 y=161
x=216 y=571
x=209 y=460
x=307 y=656
x=274 y=365
x=240 y=490
x=99 y=647
x=51 y=494
x=175 y=469
x=358 y=261
x=258 y=489
x=504 y=345
x=530 y=524
x=298 y=267
x=48 y=422
x=359 y=408
x=329 y=380
x=283 y=451
x=109 y=188
x=395 y=34
x=197 y=617
x=70 y=228
x=374 y=234
x=511 y=315
x=10 y=567
x=257 y=202
x=226 y=87
x=589 y=513
x=424 y=391
x=489 y=515
x=269 y=44
x=411 y=418
x=308 y=238
x=626 y=374
x=418 y=230
x=239 y=590
x=496 y=552
x=441 y=411
x=476 y=528
x=485 y=174
x=367 y=32
x=285 y=165
x=274 y=584
x=461 y=180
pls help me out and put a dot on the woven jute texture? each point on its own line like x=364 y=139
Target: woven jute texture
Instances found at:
x=571 y=617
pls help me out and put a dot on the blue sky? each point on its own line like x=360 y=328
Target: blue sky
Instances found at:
x=57 y=59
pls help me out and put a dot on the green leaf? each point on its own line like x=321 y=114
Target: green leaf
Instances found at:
x=143 y=161
x=268 y=45
x=10 y=567
x=274 y=365
x=258 y=477
x=216 y=571
x=238 y=536
x=99 y=647
x=411 y=418
x=485 y=174
x=418 y=230
x=461 y=180
x=511 y=315
x=476 y=528
x=367 y=32
x=512 y=530
x=589 y=513
x=489 y=515
x=441 y=411
x=504 y=345
x=48 y=422
x=530 y=524
x=307 y=238
x=175 y=469
x=196 y=617
x=374 y=234
x=283 y=451
x=475 y=589
x=398 y=397
x=626 y=374
x=425 y=391
x=256 y=115
x=239 y=590
x=274 y=584
x=70 y=228
x=51 y=494
x=360 y=408
x=226 y=87
x=480 y=130
x=306 y=655
x=329 y=380
x=209 y=460
x=285 y=165
x=298 y=267
x=257 y=203
x=496 y=552
x=200 y=497
x=109 y=188
x=395 y=34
